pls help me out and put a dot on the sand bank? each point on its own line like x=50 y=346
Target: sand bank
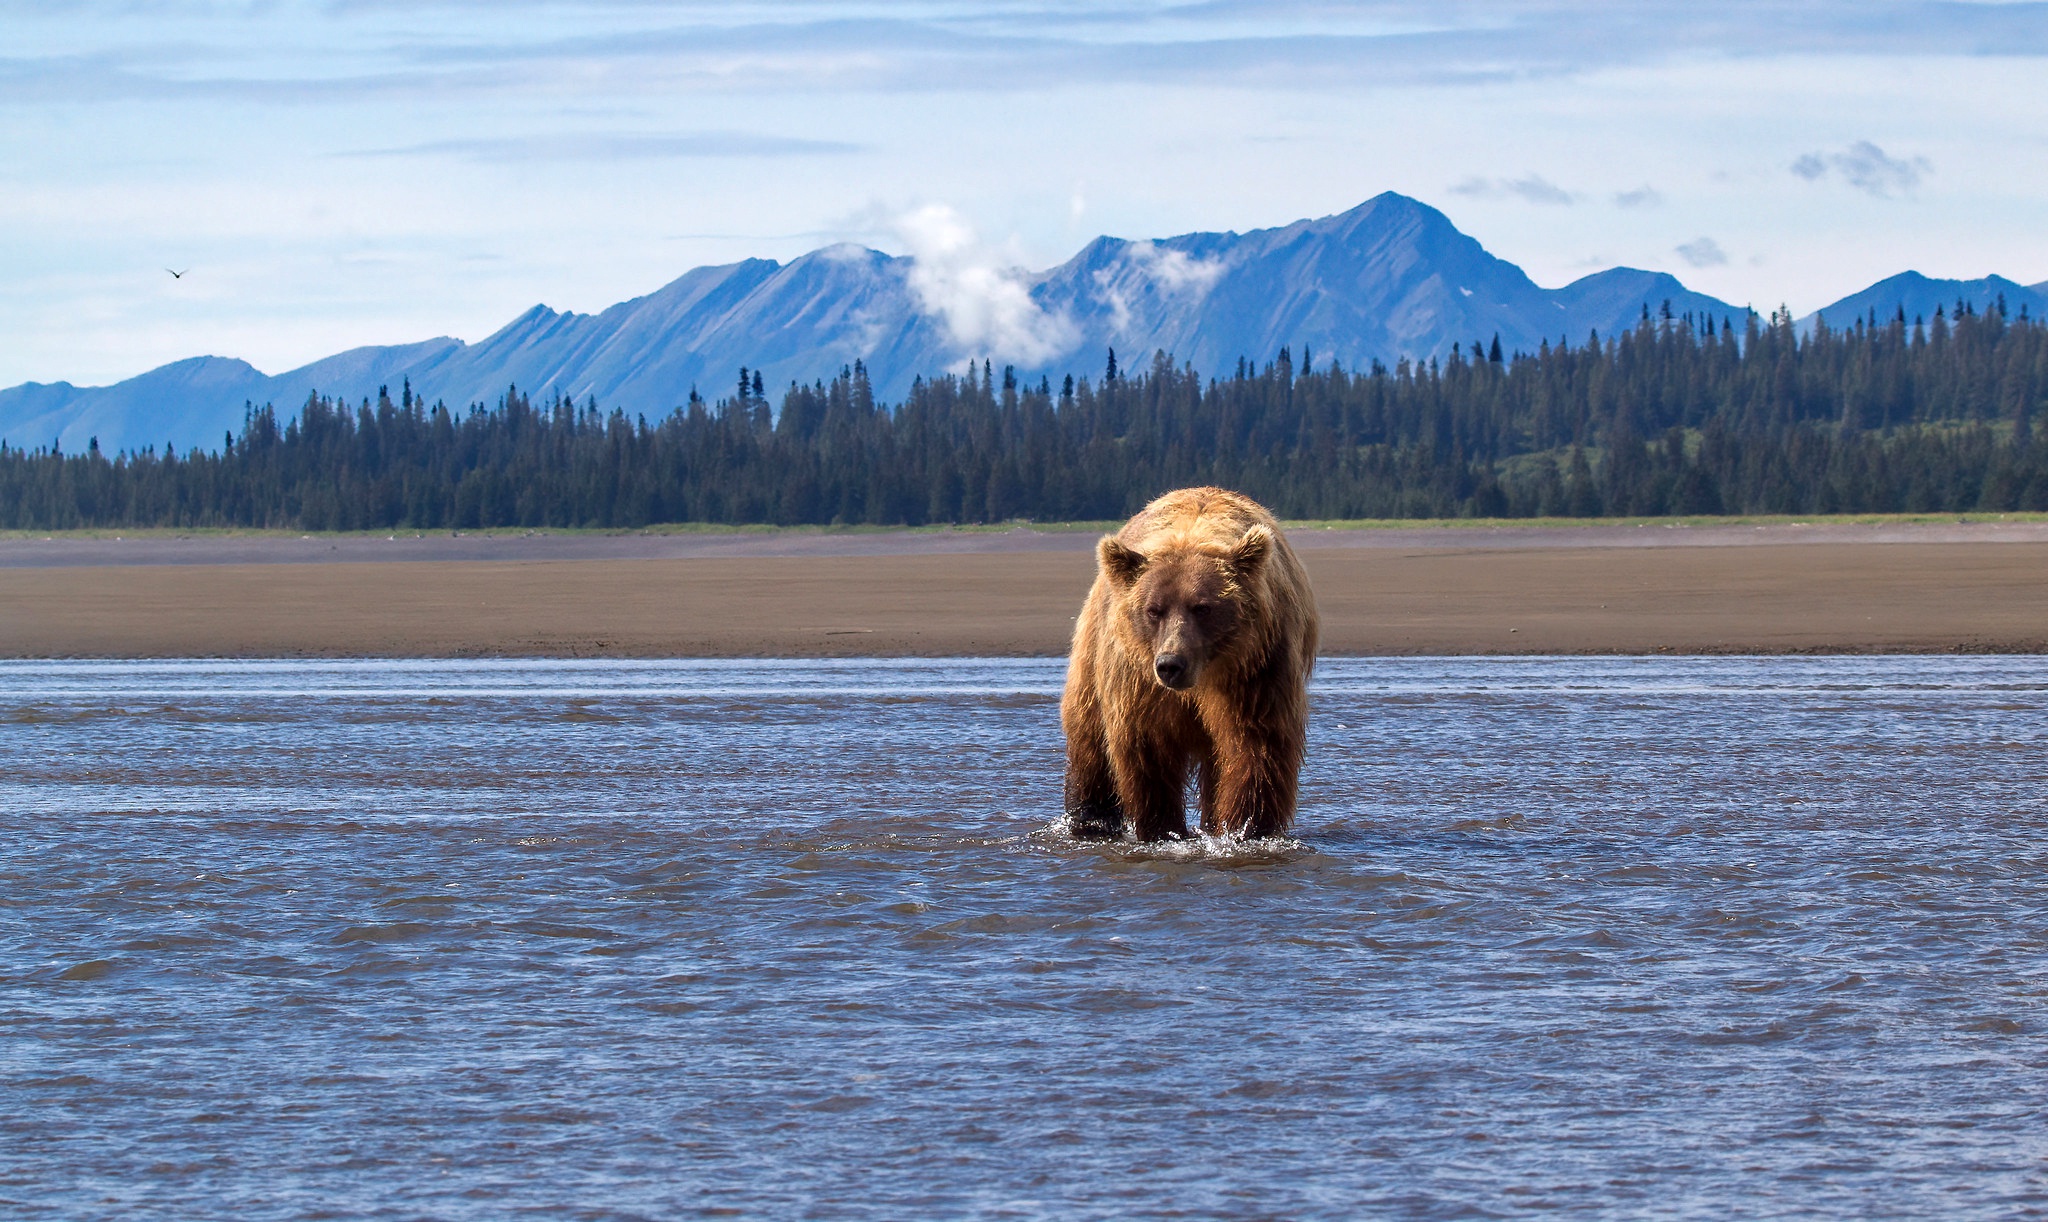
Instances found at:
x=1719 y=589
x=64 y=550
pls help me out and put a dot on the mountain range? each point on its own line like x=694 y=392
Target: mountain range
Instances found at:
x=1390 y=278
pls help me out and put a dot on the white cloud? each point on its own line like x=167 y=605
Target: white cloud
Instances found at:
x=1533 y=189
x=1866 y=167
x=985 y=303
x=1703 y=252
x=1176 y=271
x=1119 y=302
x=1645 y=196
x=1168 y=271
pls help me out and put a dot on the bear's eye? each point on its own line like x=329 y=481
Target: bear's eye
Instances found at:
x=1155 y=612
x=1200 y=608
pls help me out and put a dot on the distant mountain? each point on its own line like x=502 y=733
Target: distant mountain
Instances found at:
x=172 y=401
x=1919 y=296
x=1390 y=278
x=193 y=402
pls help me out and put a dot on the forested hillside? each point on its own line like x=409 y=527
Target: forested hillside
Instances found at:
x=1679 y=415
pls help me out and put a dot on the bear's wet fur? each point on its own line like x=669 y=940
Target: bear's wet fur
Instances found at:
x=1191 y=655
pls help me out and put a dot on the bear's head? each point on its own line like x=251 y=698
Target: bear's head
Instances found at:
x=1183 y=604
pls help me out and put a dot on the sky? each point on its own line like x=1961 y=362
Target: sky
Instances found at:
x=327 y=175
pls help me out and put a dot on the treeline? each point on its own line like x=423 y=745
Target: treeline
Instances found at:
x=1676 y=416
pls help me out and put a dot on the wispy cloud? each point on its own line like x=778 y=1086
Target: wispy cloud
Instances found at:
x=1146 y=270
x=614 y=146
x=1175 y=271
x=301 y=51
x=1645 y=196
x=1867 y=168
x=984 y=301
x=1703 y=252
x=1533 y=189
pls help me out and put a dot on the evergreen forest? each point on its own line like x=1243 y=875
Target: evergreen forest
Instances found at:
x=1678 y=415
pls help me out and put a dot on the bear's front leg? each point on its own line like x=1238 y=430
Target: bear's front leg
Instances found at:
x=1151 y=777
x=1250 y=789
x=1092 y=809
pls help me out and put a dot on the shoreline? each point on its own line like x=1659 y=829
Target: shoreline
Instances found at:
x=69 y=549
x=1774 y=588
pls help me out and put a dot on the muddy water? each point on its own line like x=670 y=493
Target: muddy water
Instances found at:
x=1623 y=937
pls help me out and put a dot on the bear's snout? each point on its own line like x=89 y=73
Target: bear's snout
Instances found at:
x=1173 y=671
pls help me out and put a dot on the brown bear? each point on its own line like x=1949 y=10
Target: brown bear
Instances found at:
x=1192 y=653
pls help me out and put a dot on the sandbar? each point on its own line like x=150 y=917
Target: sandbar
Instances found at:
x=1735 y=589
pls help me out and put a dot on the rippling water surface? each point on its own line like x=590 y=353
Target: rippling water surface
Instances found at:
x=1615 y=937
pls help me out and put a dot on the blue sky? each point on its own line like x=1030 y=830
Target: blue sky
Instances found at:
x=355 y=172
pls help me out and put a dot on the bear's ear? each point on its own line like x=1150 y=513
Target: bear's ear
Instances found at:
x=1119 y=563
x=1251 y=551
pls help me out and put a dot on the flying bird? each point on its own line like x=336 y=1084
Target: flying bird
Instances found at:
x=177 y=275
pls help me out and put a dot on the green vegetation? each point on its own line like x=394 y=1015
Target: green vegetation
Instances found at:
x=1677 y=417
